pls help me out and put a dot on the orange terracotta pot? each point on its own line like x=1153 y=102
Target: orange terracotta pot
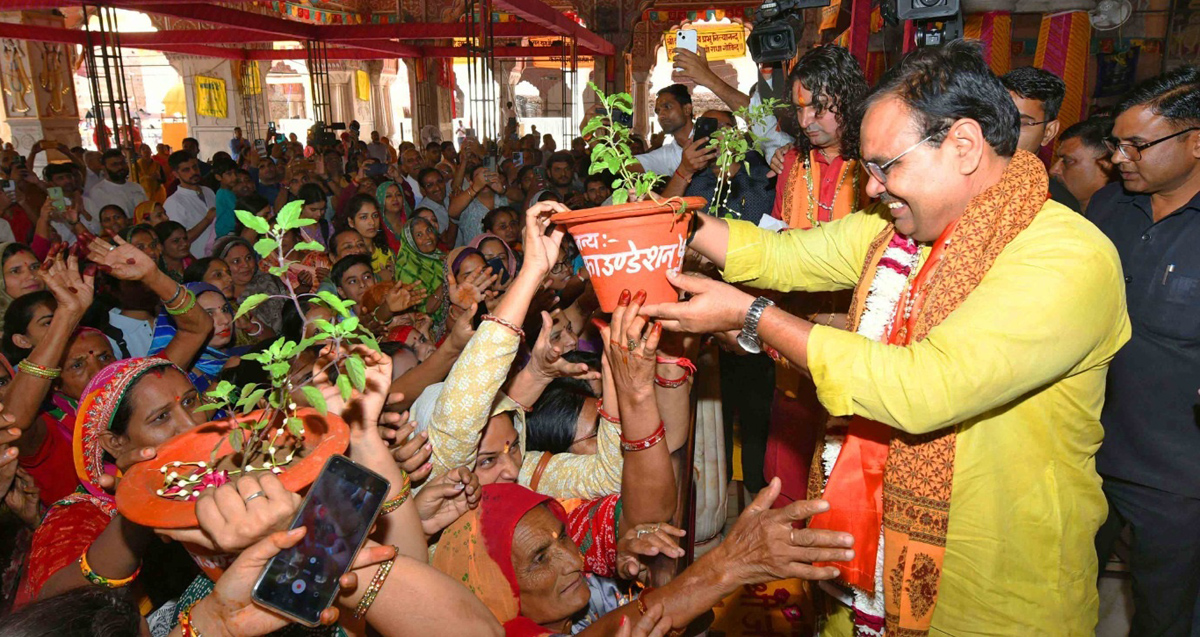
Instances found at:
x=137 y=494
x=632 y=246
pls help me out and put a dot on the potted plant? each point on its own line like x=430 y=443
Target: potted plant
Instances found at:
x=632 y=244
x=261 y=427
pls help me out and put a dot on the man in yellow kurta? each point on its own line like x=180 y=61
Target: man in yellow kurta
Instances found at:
x=984 y=320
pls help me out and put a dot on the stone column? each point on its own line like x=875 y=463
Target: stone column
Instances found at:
x=39 y=90
x=213 y=133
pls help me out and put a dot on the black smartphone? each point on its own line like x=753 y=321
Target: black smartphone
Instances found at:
x=339 y=511
x=704 y=127
x=10 y=187
x=376 y=169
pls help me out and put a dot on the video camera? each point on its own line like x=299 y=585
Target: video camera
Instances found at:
x=323 y=135
x=935 y=22
x=778 y=26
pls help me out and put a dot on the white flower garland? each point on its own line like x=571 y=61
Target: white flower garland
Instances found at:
x=879 y=310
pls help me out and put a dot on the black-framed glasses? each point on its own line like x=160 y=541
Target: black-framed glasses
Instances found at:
x=1025 y=124
x=880 y=172
x=1133 y=152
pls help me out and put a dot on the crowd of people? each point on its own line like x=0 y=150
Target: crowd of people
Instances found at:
x=965 y=370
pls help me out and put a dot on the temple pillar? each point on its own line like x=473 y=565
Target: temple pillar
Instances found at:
x=219 y=82
x=39 y=90
x=431 y=100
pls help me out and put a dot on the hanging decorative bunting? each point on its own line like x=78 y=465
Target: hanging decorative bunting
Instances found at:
x=325 y=16
x=680 y=15
x=994 y=31
x=1063 y=47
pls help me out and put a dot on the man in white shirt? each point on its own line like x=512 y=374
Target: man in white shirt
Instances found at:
x=192 y=205
x=117 y=190
x=434 y=196
x=410 y=165
x=695 y=66
x=673 y=107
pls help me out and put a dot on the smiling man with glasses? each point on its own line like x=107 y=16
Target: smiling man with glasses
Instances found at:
x=1151 y=429
x=972 y=371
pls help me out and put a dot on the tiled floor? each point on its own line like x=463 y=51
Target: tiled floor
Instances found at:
x=1116 y=603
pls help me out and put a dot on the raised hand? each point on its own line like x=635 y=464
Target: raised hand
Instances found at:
x=631 y=346
x=473 y=289
x=24 y=497
x=694 y=65
x=546 y=359
x=72 y=290
x=646 y=541
x=764 y=545
x=237 y=514
x=123 y=260
x=697 y=155
x=714 y=306
x=543 y=240
x=445 y=498
x=362 y=412
x=464 y=327
x=403 y=296
x=411 y=451
x=229 y=610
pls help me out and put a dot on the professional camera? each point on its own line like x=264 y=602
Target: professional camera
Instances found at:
x=777 y=29
x=935 y=22
x=323 y=135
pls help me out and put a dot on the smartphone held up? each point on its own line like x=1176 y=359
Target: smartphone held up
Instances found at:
x=338 y=512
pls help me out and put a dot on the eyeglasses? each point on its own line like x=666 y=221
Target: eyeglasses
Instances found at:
x=560 y=267
x=1133 y=152
x=1028 y=124
x=880 y=172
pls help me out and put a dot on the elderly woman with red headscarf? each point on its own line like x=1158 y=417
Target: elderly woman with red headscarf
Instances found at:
x=519 y=554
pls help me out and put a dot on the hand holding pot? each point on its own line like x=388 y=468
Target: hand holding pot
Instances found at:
x=543 y=240
x=646 y=540
x=714 y=306
x=237 y=514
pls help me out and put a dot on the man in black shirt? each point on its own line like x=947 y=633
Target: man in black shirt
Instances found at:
x=1150 y=458
x=751 y=194
x=1038 y=95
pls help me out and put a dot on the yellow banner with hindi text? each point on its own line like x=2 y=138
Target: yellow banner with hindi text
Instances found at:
x=211 y=99
x=723 y=42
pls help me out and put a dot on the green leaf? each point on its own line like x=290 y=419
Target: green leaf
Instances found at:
x=289 y=215
x=308 y=245
x=265 y=246
x=253 y=221
x=343 y=385
x=253 y=356
x=235 y=440
x=207 y=407
x=314 y=398
x=357 y=371
x=295 y=426
x=222 y=389
x=324 y=326
x=280 y=369
x=369 y=341
x=249 y=403
x=247 y=389
x=591 y=126
x=620 y=196
x=251 y=302
x=278 y=271
x=350 y=324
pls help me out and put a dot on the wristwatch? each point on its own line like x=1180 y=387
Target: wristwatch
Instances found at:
x=748 y=338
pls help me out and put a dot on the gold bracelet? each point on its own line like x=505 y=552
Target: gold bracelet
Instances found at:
x=100 y=580
x=189 y=301
x=368 y=598
x=401 y=498
x=33 y=369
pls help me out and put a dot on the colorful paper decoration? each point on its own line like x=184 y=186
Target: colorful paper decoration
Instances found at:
x=994 y=31
x=1062 y=49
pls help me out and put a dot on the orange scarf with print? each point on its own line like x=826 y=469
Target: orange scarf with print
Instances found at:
x=791 y=191
x=918 y=470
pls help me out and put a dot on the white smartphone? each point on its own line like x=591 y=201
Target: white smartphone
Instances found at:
x=686 y=40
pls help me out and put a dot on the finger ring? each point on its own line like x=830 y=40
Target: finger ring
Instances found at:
x=110 y=247
x=254 y=495
x=632 y=344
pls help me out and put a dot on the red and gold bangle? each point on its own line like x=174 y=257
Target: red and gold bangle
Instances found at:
x=647 y=442
x=604 y=414
x=688 y=366
x=516 y=329
x=185 y=622
x=373 y=588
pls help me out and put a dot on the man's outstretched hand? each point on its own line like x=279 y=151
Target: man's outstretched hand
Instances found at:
x=713 y=307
